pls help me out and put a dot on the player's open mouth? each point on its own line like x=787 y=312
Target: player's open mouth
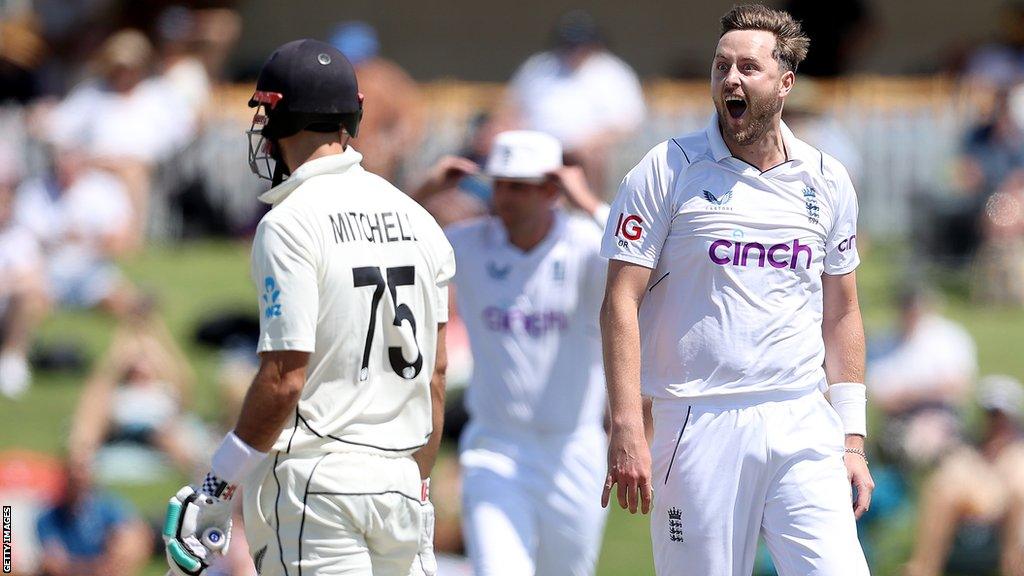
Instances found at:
x=736 y=106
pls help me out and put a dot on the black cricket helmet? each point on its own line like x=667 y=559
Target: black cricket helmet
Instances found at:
x=304 y=85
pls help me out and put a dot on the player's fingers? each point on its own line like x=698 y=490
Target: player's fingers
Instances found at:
x=607 y=492
x=621 y=490
x=864 y=490
x=646 y=497
x=632 y=496
x=463 y=165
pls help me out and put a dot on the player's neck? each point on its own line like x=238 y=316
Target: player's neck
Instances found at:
x=764 y=154
x=308 y=146
x=527 y=235
x=329 y=149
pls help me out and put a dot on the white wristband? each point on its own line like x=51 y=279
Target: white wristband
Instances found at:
x=235 y=459
x=850 y=401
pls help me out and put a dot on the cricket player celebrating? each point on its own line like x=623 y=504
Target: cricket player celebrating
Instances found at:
x=337 y=428
x=731 y=299
x=529 y=291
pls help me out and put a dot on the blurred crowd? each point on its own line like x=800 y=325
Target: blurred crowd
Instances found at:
x=118 y=125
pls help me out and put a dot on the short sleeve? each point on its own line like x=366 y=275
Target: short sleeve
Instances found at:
x=841 y=243
x=443 y=256
x=445 y=273
x=640 y=216
x=287 y=283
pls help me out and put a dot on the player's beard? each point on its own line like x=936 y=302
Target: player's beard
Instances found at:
x=758 y=121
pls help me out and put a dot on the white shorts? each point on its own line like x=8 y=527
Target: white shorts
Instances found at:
x=333 y=514
x=725 y=471
x=532 y=505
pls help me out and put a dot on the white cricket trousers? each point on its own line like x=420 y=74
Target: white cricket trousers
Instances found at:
x=531 y=504
x=726 y=470
x=333 y=514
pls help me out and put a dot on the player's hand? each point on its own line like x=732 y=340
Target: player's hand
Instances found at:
x=859 y=476
x=573 y=183
x=197 y=526
x=444 y=174
x=629 y=466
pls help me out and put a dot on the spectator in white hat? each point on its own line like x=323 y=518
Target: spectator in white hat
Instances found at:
x=971 y=518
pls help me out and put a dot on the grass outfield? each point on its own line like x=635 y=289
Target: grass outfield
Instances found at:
x=192 y=280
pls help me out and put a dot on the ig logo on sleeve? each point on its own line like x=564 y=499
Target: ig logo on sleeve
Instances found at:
x=628 y=228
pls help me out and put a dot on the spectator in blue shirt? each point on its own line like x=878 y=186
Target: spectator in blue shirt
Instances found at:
x=90 y=532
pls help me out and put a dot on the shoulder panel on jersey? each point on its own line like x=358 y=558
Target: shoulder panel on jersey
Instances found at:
x=684 y=151
x=833 y=171
x=693 y=146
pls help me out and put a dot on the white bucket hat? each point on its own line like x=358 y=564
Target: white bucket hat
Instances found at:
x=523 y=155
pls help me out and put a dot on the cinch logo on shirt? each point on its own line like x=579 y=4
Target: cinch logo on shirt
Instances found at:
x=848 y=243
x=629 y=226
x=535 y=324
x=787 y=255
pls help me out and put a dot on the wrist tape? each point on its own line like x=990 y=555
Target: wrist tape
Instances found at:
x=849 y=399
x=235 y=459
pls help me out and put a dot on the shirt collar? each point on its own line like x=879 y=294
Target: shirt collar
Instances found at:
x=333 y=164
x=796 y=149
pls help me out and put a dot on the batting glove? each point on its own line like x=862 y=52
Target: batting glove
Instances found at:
x=197 y=525
x=426 y=563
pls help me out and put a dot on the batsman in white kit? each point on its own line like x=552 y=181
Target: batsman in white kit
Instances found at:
x=342 y=422
x=731 y=302
x=529 y=290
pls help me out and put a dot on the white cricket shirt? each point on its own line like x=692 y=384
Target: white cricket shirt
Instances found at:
x=735 y=302
x=532 y=320
x=353 y=271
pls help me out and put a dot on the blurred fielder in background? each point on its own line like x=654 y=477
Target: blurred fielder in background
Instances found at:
x=732 y=298
x=529 y=291
x=353 y=281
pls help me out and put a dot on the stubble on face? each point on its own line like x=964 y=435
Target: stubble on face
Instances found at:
x=760 y=111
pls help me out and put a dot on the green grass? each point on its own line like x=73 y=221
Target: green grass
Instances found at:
x=192 y=280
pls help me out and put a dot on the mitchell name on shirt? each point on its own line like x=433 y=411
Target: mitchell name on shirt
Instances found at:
x=376 y=227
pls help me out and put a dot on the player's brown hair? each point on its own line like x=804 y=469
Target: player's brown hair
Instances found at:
x=791 y=44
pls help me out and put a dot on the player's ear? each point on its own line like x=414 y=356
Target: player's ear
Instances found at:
x=786 y=83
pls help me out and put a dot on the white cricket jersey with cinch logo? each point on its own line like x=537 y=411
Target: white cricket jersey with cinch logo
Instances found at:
x=734 y=304
x=353 y=271
x=532 y=320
